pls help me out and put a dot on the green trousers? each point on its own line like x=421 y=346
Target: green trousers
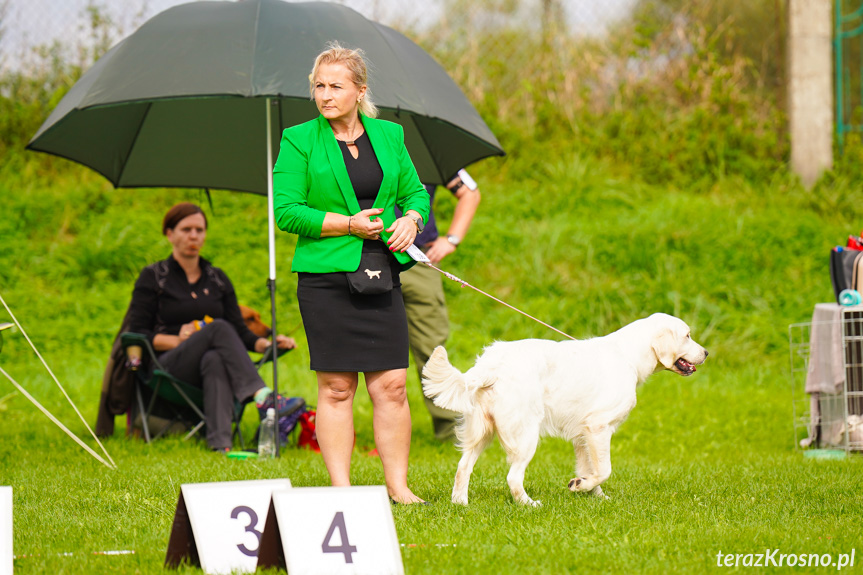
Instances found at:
x=428 y=327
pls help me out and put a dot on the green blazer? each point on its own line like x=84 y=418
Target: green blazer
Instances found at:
x=310 y=179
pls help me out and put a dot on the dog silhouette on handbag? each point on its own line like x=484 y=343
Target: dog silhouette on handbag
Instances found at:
x=373 y=274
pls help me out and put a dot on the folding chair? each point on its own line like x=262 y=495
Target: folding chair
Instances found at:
x=179 y=401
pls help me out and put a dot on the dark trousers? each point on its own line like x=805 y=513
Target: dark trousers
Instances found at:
x=216 y=360
x=428 y=327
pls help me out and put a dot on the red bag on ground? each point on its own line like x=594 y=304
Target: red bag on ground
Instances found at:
x=308 y=436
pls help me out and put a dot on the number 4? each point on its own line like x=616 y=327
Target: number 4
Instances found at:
x=346 y=548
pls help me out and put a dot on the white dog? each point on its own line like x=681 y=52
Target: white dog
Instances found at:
x=577 y=390
x=373 y=274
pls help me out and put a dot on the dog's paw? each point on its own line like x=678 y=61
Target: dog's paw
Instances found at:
x=578 y=484
x=459 y=500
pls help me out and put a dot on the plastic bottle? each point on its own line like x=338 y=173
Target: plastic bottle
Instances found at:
x=266 y=445
x=200 y=323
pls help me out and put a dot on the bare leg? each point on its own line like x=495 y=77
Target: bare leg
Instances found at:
x=392 y=425
x=335 y=423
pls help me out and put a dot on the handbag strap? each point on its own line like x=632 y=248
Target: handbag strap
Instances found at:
x=855 y=272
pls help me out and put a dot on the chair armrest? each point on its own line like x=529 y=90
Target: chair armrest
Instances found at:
x=128 y=338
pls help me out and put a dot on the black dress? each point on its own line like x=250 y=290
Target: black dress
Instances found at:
x=346 y=331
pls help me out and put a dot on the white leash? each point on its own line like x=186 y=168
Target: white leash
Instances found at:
x=69 y=399
x=419 y=256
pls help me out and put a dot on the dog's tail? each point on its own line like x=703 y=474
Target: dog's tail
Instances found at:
x=448 y=387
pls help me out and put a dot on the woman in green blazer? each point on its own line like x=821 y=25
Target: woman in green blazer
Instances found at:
x=336 y=183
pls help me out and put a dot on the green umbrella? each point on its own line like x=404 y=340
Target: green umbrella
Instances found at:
x=183 y=101
x=199 y=94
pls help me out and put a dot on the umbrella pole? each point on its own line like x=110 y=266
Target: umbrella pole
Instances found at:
x=271 y=282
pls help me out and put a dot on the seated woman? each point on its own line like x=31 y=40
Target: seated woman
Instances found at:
x=169 y=297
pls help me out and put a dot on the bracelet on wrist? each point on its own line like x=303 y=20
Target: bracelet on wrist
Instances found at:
x=349 y=225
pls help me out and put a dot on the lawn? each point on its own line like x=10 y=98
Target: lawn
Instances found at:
x=703 y=465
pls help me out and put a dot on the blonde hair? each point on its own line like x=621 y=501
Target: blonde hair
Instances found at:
x=355 y=63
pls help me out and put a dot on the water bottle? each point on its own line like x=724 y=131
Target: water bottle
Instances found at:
x=266 y=445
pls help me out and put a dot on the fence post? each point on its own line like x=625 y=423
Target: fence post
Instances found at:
x=810 y=96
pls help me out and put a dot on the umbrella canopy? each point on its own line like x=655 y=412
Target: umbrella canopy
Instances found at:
x=181 y=102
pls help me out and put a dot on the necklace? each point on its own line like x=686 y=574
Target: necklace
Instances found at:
x=351 y=142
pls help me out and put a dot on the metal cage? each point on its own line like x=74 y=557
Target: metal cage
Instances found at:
x=827 y=381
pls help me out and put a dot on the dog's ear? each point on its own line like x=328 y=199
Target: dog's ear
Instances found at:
x=665 y=347
x=252 y=319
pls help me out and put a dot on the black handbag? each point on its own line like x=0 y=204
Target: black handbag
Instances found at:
x=373 y=276
x=845 y=270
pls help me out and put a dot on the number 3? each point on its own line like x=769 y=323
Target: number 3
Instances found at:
x=346 y=548
x=253 y=520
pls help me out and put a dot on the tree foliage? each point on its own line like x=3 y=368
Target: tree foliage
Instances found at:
x=680 y=92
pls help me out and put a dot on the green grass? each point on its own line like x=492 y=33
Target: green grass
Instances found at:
x=703 y=464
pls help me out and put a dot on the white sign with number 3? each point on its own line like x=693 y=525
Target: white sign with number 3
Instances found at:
x=338 y=530
x=227 y=520
x=5 y=531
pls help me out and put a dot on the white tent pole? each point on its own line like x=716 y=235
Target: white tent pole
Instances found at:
x=271 y=218
x=271 y=226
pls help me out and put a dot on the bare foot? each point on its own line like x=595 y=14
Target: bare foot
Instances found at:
x=405 y=497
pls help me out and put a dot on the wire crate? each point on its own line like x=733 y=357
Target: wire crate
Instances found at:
x=827 y=378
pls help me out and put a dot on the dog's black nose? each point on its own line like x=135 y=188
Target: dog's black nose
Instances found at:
x=706 y=353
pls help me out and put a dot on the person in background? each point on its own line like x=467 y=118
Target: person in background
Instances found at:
x=170 y=296
x=422 y=288
x=337 y=181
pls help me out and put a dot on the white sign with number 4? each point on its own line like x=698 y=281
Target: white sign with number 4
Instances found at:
x=337 y=530
x=226 y=520
x=5 y=531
